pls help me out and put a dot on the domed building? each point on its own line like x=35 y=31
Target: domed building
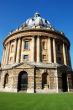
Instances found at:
x=36 y=58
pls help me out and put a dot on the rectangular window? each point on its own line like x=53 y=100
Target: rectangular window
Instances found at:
x=58 y=47
x=59 y=60
x=26 y=45
x=25 y=57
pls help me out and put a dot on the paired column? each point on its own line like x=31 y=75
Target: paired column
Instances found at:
x=3 y=58
x=8 y=49
x=64 y=54
x=18 y=51
x=22 y=48
x=15 y=50
x=33 y=48
x=49 y=51
x=54 y=50
x=38 y=48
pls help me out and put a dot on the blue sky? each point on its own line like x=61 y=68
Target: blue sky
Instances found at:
x=14 y=12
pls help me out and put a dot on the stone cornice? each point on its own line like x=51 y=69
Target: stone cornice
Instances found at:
x=47 y=31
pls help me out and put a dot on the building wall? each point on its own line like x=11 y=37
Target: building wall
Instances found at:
x=42 y=48
x=62 y=70
x=35 y=79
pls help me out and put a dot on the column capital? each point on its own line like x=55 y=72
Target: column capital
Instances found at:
x=33 y=36
x=16 y=39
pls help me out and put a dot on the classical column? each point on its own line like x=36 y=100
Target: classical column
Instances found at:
x=8 y=49
x=22 y=48
x=33 y=48
x=18 y=51
x=54 y=51
x=64 y=54
x=38 y=48
x=49 y=51
x=3 y=56
x=15 y=50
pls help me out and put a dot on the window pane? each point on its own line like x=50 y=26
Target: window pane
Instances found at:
x=25 y=57
x=26 y=45
x=59 y=60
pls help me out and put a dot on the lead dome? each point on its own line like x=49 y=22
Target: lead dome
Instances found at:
x=37 y=22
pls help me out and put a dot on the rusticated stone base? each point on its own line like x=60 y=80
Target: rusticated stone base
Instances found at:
x=41 y=78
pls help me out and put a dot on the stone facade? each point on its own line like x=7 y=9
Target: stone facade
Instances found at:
x=36 y=59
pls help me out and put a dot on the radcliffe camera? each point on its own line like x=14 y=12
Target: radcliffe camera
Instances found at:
x=36 y=59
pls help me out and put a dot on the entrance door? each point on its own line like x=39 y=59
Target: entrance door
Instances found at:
x=44 y=80
x=22 y=81
x=64 y=82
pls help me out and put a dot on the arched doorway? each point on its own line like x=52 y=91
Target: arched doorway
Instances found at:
x=64 y=82
x=44 y=80
x=6 y=79
x=22 y=81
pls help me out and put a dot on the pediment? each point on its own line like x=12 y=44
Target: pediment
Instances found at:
x=23 y=65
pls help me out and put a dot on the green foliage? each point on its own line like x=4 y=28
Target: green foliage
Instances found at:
x=23 y=101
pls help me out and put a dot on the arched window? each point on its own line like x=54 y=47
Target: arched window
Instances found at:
x=6 y=78
x=22 y=81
